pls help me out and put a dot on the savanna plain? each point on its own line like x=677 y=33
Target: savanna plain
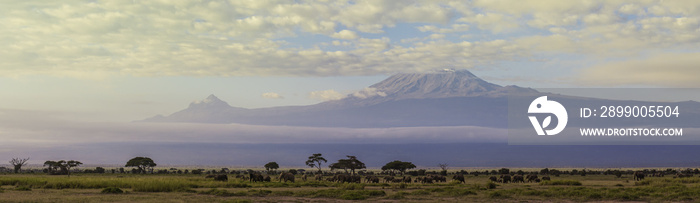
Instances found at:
x=479 y=185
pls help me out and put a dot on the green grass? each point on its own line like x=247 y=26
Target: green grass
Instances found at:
x=33 y=188
x=561 y=182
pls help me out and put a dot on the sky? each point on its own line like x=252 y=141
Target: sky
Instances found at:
x=126 y=60
x=81 y=70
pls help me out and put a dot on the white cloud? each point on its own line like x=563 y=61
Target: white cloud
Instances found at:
x=326 y=95
x=241 y=38
x=272 y=95
x=674 y=70
x=494 y=22
x=368 y=92
x=345 y=34
x=453 y=28
x=35 y=128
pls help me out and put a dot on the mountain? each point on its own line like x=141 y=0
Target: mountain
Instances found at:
x=209 y=110
x=442 y=98
x=447 y=83
x=432 y=85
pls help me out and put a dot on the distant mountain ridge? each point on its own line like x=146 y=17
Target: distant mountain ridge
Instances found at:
x=441 y=98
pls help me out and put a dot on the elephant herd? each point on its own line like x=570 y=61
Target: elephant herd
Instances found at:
x=430 y=178
x=342 y=178
x=348 y=178
x=507 y=178
x=345 y=178
x=639 y=175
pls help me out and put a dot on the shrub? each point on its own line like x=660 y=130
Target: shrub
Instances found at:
x=400 y=186
x=112 y=190
x=499 y=195
x=223 y=193
x=491 y=185
x=644 y=182
x=157 y=186
x=23 y=188
x=398 y=195
x=352 y=187
x=561 y=182
x=361 y=194
x=259 y=193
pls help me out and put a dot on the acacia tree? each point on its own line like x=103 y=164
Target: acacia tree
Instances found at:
x=142 y=163
x=271 y=166
x=351 y=163
x=66 y=165
x=315 y=161
x=399 y=166
x=52 y=166
x=18 y=163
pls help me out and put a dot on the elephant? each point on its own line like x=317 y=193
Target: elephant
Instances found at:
x=371 y=179
x=255 y=177
x=440 y=179
x=267 y=179
x=286 y=177
x=427 y=179
x=221 y=177
x=355 y=179
x=406 y=179
x=546 y=178
x=531 y=178
x=505 y=178
x=341 y=178
x=518 y=179
x=681 y=175
x=459 y=178
x=388 y=179
x=493 y=178
x=638 y=176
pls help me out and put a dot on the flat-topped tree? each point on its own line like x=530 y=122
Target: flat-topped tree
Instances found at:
x=315 y=161
x=52 y=166
x=66 y=165
x=271 y=166
x=142 y=163
x=399 y=166
x=351 y=163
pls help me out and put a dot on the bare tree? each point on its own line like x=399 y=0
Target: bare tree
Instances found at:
x=443 y=166
x=18 y=163
x=444 y=169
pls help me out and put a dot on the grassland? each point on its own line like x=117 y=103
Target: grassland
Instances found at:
x=196 y=188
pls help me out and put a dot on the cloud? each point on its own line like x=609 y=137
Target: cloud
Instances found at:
x=345 y=34
x=668 y=69
x=494 y=22
x=454 y=28
x=368 y=92
x=272 y=95
x=326 y=95
x=98 y=39
x=40 y=130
